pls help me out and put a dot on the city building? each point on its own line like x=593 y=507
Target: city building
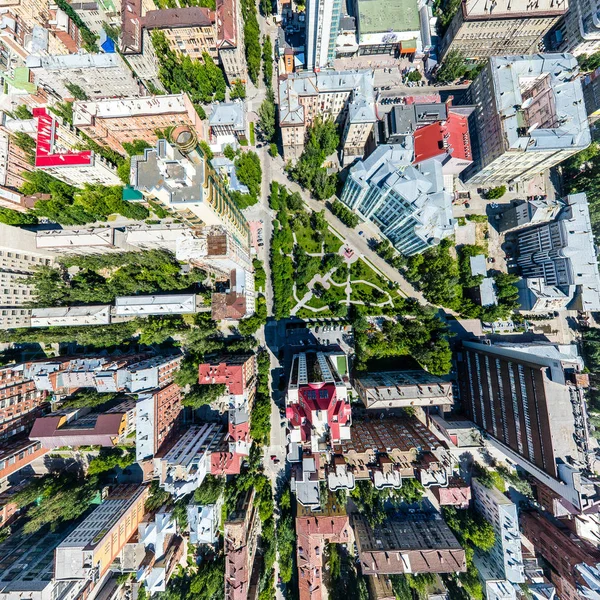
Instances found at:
x=457 y=493
x=190 y=30
x=113 y=122
x=408 y=203
x=560 y=258
x=13 y=163
x=98 y=75
x=346 y=97
x=416 y=543
x=167 y=304
x=94 y=13
x=228 y=120
x=480 y=30
x=529 y=117
x=56 y=154
x=573 y=562
x=322 y=25
x=388 y=27
x=80 y=427
x=184 y=466
x=317 y=405
x=135 y=42
x=230 y=40
x=28 y=567
x=204 y=522
x=70 y=316
x=578 y=32
x=182 y=180
x=401 y=389
x=525 y=213
x=238 y=300
x=86 y=240
x=241 y=530
x=15 y=455
x=387 y=451
x=313 y=530
x=157 y=418
x=89 y=550
x=529 y=399
x=20 y=401
x=501 y=569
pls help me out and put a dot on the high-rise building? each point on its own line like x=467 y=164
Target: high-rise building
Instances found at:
x=578 y=32
x=559 y=259
x=322 y=24
x=529 y=116
x=501 y=569
x=230 y=40
x=179 y=177
x=480 y=30
x=408 y=203
x=16 y=455
x=529 y=399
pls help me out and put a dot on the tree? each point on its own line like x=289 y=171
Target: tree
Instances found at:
x=87 y=398
x=77 y=92
x=250 y=325
x=273 y=149
x=22 y=112
x=110 y=458
x=238 y=90
x=187 y=373
x=267 y=56
x=229 y=152
x=12 y=217
x=209 y=491
x=157 y=497
x=344 y=214
x=249 y=172
x=266 y=116
x=89 y=38
x=414 y=75
x=496 y=192
x=25 y=143
x=251 y=39
x=199 y=395
x=452 y=68
x=589 y=62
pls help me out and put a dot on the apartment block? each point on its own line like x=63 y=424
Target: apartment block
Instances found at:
x=501 y=569
x=94 y=13
x=230 y=40
x=558 y=261
x=56 y=154
x=346 y=97
x=529 y=400
x=89 y=550
x=239 y=298
x=480 y=30
x=322 y=25
x=401 y=389
x=313 y=530
x=191 y=31
x=179 y=177
x=418 y=543
x=578 y=32
x=98 y=75
x=16 y=455
x=81 y=427
x=158 y=415
x=13 y=163
x=241 y=531
x=529 y=117
x=408 y=203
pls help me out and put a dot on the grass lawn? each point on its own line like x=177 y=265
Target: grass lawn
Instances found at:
x=316 y=302
x=340 y=275
x=366 y=293
x=361 y=270
x=332 y=242
x=304 y=237
x=305 y=313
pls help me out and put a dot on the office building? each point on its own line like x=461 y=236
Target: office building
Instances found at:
x=135 y=42
x=158 y=415
x=417 y=543
x=241 y=530
x=525 y=213
x=322 y=25
x=183 y=468
x=529 y=117
x=389 y=27
x=191 y=30
x=115 y=121
x=98 y=75
x=501 y=569
x=408 y=203
x=401 y=389
x=560 y=257
x=573 y=562
x=15 y=455
x=578 y=32
x=346 y=97
x=56 y=154
x=89 y=550
x=480 y=30
x=387 y=451
x=313 y=530
x=317 y=404
x=230 y=40
x=529 y=399
x=180 y=178
x=81 y=427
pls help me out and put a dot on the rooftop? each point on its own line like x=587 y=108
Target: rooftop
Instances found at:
x=380 y=16
x=57 y=62
x=228 y=113
x=168 y=304
x=70 y=315
x=171 y=18
x=487 y=9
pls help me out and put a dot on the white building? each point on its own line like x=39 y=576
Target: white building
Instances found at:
x=322 y=25
x=579 y=30
x=67 y=316
x=530 y=116
x=204 y=522
x=501 y=569
x=183 y=468
x=98 y=75
x=168 y=304
x=408 y=203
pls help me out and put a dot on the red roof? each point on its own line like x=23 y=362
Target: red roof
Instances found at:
x=225 y=463
x=230 y=375
x=241 y=432
x=226 y=24
x=444 y=137
x=45 y=155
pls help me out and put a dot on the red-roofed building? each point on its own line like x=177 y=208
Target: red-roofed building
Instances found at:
x=317 y=405
x=458 y=493
x=230 y=44
x=56 y=154
x=447 y=141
